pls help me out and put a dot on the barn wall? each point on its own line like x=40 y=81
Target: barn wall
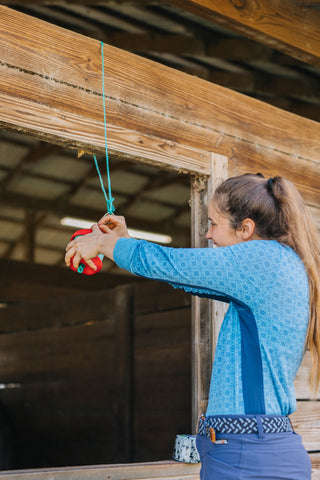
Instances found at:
x=61 y=382
x=162 y=378
x=105 y=377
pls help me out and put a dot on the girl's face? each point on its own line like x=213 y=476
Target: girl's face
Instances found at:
x=220 y=230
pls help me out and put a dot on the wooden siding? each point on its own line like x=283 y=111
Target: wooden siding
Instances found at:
x=67 y=395
x=98 y=377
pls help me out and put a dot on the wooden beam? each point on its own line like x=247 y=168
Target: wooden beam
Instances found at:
x=286 y=26
x=51 y=87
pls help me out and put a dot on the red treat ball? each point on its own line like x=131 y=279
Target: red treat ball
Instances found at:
x=83 y=266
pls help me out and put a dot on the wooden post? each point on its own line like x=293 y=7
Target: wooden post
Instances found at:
x=124 y=373
x=219 y=172
x=205 y=312
x=30 y=231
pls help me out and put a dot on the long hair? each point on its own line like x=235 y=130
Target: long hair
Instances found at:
x=280 y=214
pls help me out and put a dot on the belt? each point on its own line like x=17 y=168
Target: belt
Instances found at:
x=244 y=424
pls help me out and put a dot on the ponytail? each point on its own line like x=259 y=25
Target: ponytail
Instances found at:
x=280 y=214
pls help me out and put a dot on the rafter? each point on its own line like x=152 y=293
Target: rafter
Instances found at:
x=304 y=88
x=284 y=25
x=64 y=18
x=66 y=209
x=108 y=18
x=74 y=187
x=163 y=180
x=38 y=152
x=228 y=48
x=27 y=238
x=309 y=3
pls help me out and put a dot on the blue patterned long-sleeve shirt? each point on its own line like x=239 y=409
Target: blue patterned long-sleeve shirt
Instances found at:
x=266 y=276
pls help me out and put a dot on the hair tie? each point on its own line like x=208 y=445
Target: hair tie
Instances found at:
x=270 y=183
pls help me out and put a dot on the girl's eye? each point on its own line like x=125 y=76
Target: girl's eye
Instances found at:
x=213 y=224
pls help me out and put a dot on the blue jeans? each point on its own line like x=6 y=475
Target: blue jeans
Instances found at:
x=272 y=456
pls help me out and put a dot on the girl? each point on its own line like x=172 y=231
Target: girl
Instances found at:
x=267 y=269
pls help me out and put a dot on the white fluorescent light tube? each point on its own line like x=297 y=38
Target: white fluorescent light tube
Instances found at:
x=151 y=237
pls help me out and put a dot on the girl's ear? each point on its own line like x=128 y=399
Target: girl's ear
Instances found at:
x=247 y=229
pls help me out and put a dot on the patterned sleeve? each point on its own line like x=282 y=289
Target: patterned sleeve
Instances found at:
x=239 y=271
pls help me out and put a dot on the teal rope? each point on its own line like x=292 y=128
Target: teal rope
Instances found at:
x=110 y=206
x=109 y=199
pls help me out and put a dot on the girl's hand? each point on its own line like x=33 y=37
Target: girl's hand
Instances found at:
x=103 y=238
x=86 y=247
x=113 y=224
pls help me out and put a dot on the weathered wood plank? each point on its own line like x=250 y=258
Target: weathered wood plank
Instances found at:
x=147 y=104
x=201 y=124
x=306 y=421
x=64 y=354
x=168 y=337
x=156 y=362
x=68 y=424
x=59 y=312
x=62 y=394
x=162 y=393
x=58 y=278
x=302 y=172
x=301 y=384
x=287 y=26
x=86 y=450
x=81 y=122
x=315 y=460
x=77 y=131
x=156 y=323
x=155 y=470
x=158 y=296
